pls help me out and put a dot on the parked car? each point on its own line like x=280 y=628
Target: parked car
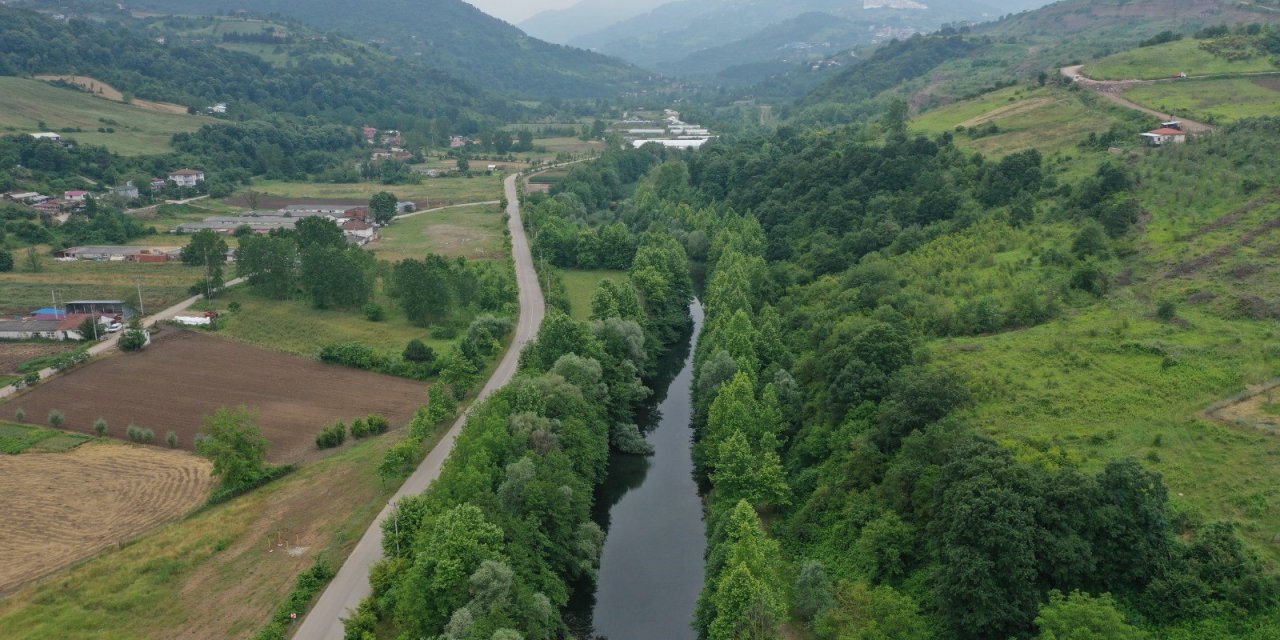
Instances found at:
x=114 y=327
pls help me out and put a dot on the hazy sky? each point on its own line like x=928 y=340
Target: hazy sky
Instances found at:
x=514 y=11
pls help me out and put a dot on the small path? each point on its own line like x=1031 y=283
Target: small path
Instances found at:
x=452 y=206
x=187 y=201
x=1113 y=89
x=109 y=343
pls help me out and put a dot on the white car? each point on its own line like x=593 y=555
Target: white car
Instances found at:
x=114 y=327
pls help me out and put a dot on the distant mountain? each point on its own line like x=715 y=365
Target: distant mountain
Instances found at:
x=681 y=29
x=806 y=38
x=562 y=26
x=452 y=35
x=1131 y=20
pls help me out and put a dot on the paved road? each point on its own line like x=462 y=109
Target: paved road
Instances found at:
x=110 y=343
x=351 y=585
x=1113 y=89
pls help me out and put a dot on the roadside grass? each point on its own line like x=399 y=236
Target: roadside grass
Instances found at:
x=24 y=103
x=581 y=286
x=219 y=573
x=1219 y=101
x=163 y=284
x=20 y=438
x=430 y=193
x=475 y=233
x=1168 y=60
x=1048 y=119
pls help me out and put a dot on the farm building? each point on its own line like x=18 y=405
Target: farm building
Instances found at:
x=229 y=224
x=311 y=210
x=116 y=308
x=128 y=191
x=65 y=328
x=118 y=253
x=47 y=135
x=187 y=177
x=1163 y=136
x=75 y=196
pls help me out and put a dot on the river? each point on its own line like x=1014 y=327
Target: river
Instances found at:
x=651 y=570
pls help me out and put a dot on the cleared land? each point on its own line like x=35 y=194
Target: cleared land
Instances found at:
x=24 y=103
x=60 y=508
x=1213 y=101
x=162 y=284
x=474 y=233
x=581 y=286
x=184 y=376
x=14 y=354
x=1170 y=59
x=217 y=574
x=430 y=193
x=104 y=90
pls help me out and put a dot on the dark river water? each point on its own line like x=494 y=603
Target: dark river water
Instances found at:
x=652 y=568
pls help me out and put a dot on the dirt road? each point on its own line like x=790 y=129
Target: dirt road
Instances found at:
x=351 y=585
x=1113 y=90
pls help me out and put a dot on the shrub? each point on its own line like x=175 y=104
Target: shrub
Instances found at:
x=56 y=418
x=377 y=424
x=234 y=307
x=333 y=436
x=171 y=439
x=359 y=429
x=399 y=459
x=1167 y=310
x=148 y=436
x=373 y=312
x=417 y=351
x=134 y=433
x=20 y=415
x=31 y=379
x=100 y=427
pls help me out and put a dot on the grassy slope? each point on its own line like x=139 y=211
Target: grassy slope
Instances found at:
x=581 y=285
x=1168 y=60
x=470 y=232
x=24 y=103
x=216 y=574
x=1214 y=101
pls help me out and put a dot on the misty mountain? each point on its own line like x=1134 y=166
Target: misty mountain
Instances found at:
x=562 y=26
x=452 y=35
x=808 y=37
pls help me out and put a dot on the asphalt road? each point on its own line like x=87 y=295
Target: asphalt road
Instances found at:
x=351 y=585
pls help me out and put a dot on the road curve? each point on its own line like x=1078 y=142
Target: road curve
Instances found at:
x=1113 y=89
x=351 y=585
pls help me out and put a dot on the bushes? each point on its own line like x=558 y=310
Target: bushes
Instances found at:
x=332 y=436
x=171 y=439
x=142 y=436
x=20 y=416
x=359 y=356
x=56 y=418
x=100 y=427
x=309 y=585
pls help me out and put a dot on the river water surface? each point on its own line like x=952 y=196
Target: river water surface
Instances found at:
x=652 y=568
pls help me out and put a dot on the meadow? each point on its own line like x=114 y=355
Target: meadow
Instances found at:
x=1218 y=101
x=1170 y=59
x=163 y=284
x=475 y=233
x=19 y=438
x=24 y=103
x=581 y=286
x=430 y=193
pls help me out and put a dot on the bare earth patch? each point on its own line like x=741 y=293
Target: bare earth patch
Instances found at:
x=104 y=90
x=60 y=508
x=184 y=376
x=13 y=354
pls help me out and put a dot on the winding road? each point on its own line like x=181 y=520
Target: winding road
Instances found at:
x=1113 y=89
x=351 y=585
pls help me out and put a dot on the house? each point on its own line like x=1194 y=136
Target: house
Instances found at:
x=356 y=214
x=26 y=197
x=117 y=253
x=370 y=134
x=259 y=224
x=334 y=211
x=359 y=229
x=458 y=142
x=116 y=308
x=127 y=192
x=1163 y=136
x=47 y=135
x=221 y=107
x=392 y=138
x=158 y=184
x=187 y=177
x=1172 y=124
x=75 y=196
x=65 y=328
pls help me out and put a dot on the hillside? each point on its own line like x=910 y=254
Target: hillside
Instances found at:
x=448 y=35
x=807 y=37
x=562 y=26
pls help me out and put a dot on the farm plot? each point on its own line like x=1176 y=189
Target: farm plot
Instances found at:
x=14 y=354
x=475 y=233
x=185 y=376
x=63 y=507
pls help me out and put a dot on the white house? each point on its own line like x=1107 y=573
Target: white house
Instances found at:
x=1164 y=135
x=75 y=196
x=128 y=191
x=47 y=135
x=187 y=177
x=221 y=107
x=359 y=229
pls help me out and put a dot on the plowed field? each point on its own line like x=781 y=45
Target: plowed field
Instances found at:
x=62 y=507
x=184 y=376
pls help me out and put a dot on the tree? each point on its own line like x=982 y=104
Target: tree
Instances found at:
x=746 y=607
x=458 y=371
x=135 y=337
x=464 y=165
x=338 y=277
x=742 y=474
x=6 y=261
x=1081 y=616
x=236 y=446
x=268 y=263
x=34 y=264
x=862 y=613
x=417 y=351
x=449 y=550
x=206 y=248
x=383 y=207
x=317 y=232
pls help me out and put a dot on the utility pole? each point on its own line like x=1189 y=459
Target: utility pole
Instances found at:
x=94 y=317
x=142 y=311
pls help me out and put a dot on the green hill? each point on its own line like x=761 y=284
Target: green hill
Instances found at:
x=1168 y=60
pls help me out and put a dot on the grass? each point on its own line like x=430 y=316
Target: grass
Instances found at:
x=217 y=573
x=25 y=103
x=1049 y=119
x=294 y=326
x=1271 y=409
x=162 y=284
x=1214 y=101
x=1170 y=59
x=432 y=192
x=476 y=233
x=19 y=438
x=581 y=286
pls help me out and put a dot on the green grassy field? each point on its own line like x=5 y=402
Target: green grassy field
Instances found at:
x=432 y=192
x=1170 y=59
x=1051 y=120
x=581 y=285
x=25 y=103
x=19 y=438
x=162 y=284
x=294 y=326
x=475 y=233
x=1213 y=101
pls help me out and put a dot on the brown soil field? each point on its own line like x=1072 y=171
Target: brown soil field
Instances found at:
x=185 y=376
x=60 y=508
x=279 y=202
x=109 y=92
x=13 y=354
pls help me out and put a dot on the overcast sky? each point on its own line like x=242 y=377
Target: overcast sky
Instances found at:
x=514 y=11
